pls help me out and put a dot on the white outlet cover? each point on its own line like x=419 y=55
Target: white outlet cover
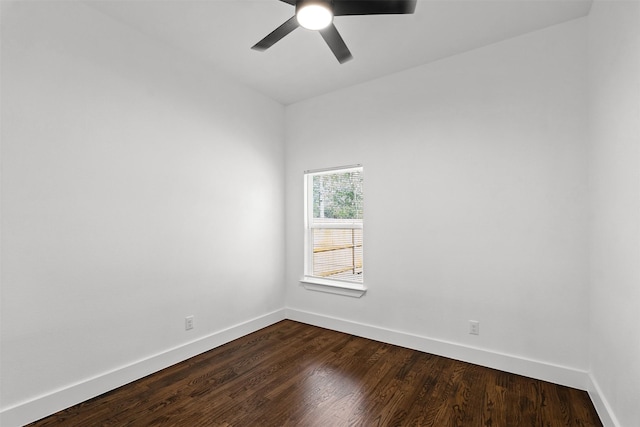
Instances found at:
x=474 y=327
x=188 y=323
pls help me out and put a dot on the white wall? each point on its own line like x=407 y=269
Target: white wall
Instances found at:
x=137 y=189
x=614 y=40
x=131 y=180
x=475 y=198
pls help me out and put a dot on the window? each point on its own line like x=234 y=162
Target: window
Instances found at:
x=334 y=226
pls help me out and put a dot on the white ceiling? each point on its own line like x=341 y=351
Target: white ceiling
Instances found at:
x=300 y=66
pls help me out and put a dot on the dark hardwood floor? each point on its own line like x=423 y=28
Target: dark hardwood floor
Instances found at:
x=292 y=374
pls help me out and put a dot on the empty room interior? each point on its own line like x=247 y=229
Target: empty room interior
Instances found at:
x=158 y=177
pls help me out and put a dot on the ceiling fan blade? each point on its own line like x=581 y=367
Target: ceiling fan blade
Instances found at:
x=291 y=2
x=277 y=34
x=373 y=7
x=336 y=44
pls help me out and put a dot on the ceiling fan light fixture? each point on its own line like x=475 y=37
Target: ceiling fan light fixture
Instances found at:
x=314 y=15
x=318 y=15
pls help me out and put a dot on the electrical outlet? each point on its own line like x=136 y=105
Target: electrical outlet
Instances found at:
x=188 y=323
x=474 y=327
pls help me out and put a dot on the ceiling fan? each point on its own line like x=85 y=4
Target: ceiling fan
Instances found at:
x=318 y=15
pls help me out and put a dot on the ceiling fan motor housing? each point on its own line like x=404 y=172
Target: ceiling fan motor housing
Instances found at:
x=324 y=3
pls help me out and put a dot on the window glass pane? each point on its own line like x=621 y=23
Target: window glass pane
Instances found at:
x=338 y=195
x=337 y=253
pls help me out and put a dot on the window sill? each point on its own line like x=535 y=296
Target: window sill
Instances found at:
x=333 y=287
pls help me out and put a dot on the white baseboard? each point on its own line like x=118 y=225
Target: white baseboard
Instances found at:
x=602 y=406
x=527 y=367
x=55 y=401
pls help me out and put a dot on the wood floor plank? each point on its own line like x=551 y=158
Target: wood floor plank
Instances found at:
x=292 y=374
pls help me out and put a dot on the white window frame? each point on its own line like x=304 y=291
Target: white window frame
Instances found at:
x=323 y=284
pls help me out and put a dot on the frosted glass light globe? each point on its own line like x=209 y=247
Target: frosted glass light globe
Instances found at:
x=314 y=16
